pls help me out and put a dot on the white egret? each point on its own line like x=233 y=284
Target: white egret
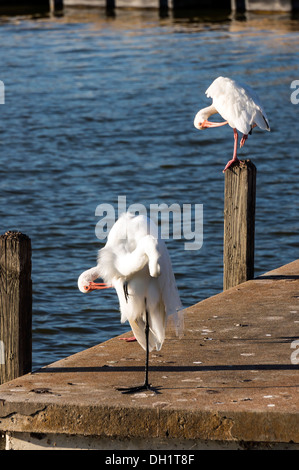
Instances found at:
x=135 y=261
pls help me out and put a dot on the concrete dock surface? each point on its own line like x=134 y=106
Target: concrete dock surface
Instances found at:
x=231 y=382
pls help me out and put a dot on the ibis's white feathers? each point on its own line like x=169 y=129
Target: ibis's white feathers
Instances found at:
x=238 y=104
x=134 y=255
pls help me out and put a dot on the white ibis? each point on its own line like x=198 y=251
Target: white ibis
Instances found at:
x=135 y=261
x=239 y=105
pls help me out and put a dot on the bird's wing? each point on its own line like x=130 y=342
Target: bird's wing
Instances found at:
x=143 y=294
x=238 y=104
x=260 y=118
x=135 y=255
x=157 y=313
x=130 y=246
x=125 y=262
x=257 y=113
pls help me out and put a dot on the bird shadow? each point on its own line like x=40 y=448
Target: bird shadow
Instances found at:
x=173 y=368
x=168 y=368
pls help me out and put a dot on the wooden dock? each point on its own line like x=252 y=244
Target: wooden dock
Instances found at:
x=235 y=5
x=231 y=382
x=264 y=6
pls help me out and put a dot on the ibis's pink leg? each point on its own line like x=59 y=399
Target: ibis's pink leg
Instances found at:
x=235 y=158
x=243 y=140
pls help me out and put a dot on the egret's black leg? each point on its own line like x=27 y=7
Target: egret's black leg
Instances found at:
x=146 y=385
x=126 y=293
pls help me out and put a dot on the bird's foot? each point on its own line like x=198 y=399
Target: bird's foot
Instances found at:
x=234 y=161
x=243 y=140
x=140 y=388
x=128 y=340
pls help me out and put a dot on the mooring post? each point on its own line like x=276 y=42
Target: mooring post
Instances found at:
x=163 y=5
x=56 y=5
x=110 y=5
x=15 y=306
x=239 y=224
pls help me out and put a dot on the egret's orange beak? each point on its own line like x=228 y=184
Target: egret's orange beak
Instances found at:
x=205 y=124
x=96 y=286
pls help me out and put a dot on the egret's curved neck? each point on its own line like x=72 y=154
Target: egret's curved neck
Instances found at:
x=208 y=111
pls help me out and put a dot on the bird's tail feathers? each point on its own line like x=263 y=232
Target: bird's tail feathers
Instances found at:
x=154 y=342
x=176 y=322
x=171 y=298
x=261 y=120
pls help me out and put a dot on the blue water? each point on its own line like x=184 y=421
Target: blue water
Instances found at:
x=97 y=107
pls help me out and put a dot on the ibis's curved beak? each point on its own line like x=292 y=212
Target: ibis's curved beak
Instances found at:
x=96 y=286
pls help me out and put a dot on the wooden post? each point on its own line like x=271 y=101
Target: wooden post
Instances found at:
x=15 y=306
x=163 y=5
x=110 y=5
x=56 y=5
x=239 y=223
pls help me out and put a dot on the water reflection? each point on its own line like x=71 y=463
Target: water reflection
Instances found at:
x=191 y=19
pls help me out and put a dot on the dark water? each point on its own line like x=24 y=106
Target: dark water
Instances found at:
x=100 y=107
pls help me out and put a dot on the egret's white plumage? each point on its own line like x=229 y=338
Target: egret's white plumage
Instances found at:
x=135 y=261
x=238 y=104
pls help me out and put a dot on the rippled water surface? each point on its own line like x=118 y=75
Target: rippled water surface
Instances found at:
x=97 y=107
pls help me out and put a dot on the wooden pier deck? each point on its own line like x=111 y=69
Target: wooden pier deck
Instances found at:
x=231 y=382
x=235 y=5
